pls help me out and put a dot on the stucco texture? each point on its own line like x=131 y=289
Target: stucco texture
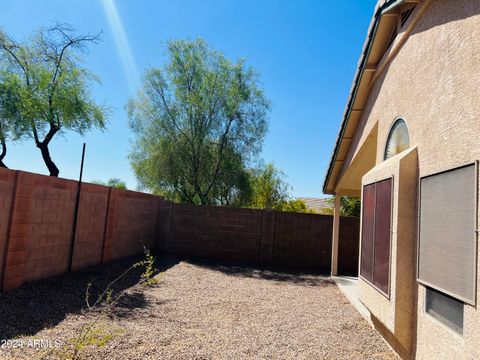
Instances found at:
x=397 y=311
x=433 y=83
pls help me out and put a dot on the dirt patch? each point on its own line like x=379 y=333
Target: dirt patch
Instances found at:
x=196 y=311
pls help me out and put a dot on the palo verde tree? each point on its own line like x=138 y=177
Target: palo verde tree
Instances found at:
x=51 y=87
x=112 y=182
x=198 y=123
x=10 y=126
x=269 y=189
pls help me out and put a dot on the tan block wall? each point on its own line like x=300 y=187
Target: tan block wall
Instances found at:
x=36 y=234
x=433 y=83
x=90 y=225
x=41 y=228
x=37 y=220
x=131 y=223
x=7 y=181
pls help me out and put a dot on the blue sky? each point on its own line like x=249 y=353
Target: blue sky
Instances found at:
x=306 y=52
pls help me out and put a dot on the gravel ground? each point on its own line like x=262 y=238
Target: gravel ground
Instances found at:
x=195 y=311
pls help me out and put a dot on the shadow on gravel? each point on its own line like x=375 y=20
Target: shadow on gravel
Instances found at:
x=45 y=303
x=280 y=274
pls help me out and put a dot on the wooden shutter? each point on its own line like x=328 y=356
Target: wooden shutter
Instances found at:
x=383 y=209
x=376 y=228
x=368 y=223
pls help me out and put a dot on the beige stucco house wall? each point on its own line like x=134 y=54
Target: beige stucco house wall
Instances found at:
x=394 y=314
x=430 y=77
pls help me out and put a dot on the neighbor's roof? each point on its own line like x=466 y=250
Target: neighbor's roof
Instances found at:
x=379 y=34
x=316 y=204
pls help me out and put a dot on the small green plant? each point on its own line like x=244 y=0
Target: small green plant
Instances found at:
x=95 y=334
x=98 y=335
x=149 y=272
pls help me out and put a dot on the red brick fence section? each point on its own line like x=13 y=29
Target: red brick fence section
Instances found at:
x=37 y=224
x=257 y=236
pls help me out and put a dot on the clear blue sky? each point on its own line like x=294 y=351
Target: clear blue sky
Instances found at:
x=306 y=52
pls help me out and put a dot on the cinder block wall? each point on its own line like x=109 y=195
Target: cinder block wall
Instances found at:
x=256 y=236
x=131 y=224
x=37 y=222
x=36 y=225
x=215 y=232
x=348 y=247
x=92 y=216
x=303 y=240
x=7 y=183
x=40 y=228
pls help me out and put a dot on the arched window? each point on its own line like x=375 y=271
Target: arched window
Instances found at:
x=398 y=139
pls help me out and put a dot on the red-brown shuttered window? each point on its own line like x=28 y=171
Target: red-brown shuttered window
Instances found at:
x=376 y=226
x=368 y=222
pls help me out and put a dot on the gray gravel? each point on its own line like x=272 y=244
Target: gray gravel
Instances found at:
x=205 y=311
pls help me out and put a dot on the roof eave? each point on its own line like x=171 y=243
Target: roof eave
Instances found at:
x=381 y=8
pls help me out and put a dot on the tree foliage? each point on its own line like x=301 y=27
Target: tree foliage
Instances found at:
x=9 y=108
x=198 y=122
x=349 y=206
x=112 y=182
x=44 y=88
x=270 y=190
x=296 y=205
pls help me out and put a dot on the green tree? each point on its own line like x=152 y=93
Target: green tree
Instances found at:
x=269 y=189
x=198 y=122
x=52 y=87
x=9 y=108
x=296 y=205
x=349 y=206
x=112 y=182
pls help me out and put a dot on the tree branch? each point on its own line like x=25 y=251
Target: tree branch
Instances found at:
x=220 y=156
x=4 y=40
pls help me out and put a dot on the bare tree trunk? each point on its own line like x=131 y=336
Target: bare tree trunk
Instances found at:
x=43 y=146
x=52 y=168
x=3 y=154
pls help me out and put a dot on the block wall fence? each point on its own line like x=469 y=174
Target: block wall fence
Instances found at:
x=37 y=218
x=257 y=236
x=37 y=222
